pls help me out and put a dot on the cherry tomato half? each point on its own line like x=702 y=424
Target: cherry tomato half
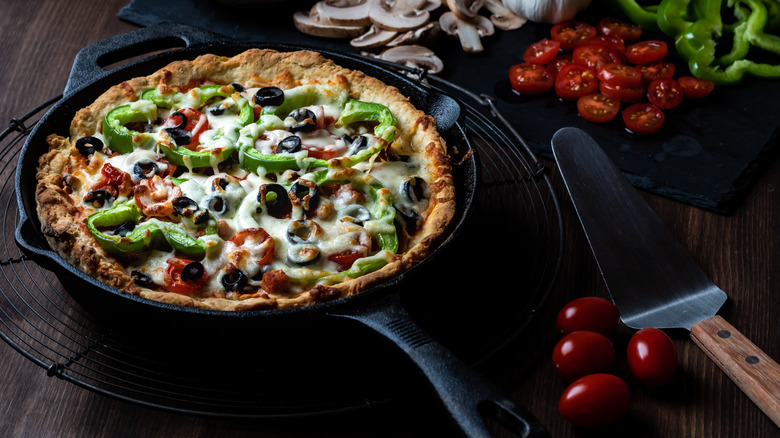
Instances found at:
x=627 y=31
x=557 y=63
x=572 y=33
x=612 y=42
x=190 y=120
x=616 y=74
x=588 y=313
x=623 y=94
x=695 y=88
x=652 y=357
x=595 y=56
x=646 y=51
x=664 y=93
x=656 y=70
x=181 y=276
x=643 y=118
x=598 y=107
x=527 y=78
x=595 y=400
x=581 y=353
x=542 y=51
x=575 y=80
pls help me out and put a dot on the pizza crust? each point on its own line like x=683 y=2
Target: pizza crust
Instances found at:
x=62 y=217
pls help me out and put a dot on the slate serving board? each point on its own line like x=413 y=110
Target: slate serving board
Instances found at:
x=708 y=153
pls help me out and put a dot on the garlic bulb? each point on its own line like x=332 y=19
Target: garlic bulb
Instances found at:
x=547 y=11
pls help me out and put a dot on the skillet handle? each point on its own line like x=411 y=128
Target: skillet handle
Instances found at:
x=467 y=395
x=89 y=64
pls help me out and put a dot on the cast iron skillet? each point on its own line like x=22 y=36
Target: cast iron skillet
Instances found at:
x=467 y=395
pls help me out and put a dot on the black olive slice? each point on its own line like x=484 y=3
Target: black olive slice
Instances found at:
x=303 y=254
x=280 y=205
x=141 y=279
x=223 y=183
x=202 y=217
x=185 y=206
x=289 y=145
x=306 y=193
x=217 y=110
x=145 y=169
x=182 y=119
x=89 y=145
x=413 y=188
x=125 y=229
x=301 y=120
x=218 y=204
x=269 y=96
x=301 y=232
x=356 y=144
x=192 y=271
x=357 y=212
x=237 y=87
x=98 y=198
x=179 y=136
x=234 y=281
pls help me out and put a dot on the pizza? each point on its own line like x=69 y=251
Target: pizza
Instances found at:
x=264 y=180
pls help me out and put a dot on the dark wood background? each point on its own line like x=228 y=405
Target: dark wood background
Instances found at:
x=38 y=41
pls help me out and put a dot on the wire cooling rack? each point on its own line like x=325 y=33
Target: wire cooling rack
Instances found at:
x=491 y=285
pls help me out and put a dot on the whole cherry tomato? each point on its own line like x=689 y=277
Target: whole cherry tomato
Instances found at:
x=652 y=357
x=595 y=400
x=588 y=313
x=581 y=353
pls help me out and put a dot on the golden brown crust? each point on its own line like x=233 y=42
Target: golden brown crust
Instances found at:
x=63 y=218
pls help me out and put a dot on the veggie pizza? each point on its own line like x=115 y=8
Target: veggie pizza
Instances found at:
x=264 y=180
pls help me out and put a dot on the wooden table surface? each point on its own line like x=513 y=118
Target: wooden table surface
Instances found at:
x=741 y=253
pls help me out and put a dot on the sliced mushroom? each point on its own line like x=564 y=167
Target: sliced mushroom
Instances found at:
x=308 y=26
x=426 y=35
x=342 y=12
x=469 y=32
x=502 y=17
x=414 y=56
x=385 y=15
x=374 y=37
x=465 y=9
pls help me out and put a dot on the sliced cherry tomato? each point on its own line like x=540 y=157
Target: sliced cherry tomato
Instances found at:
x=652 y=357
x=695 y=88
x=664 y=93
x=646 y=51
x=598 y=107
x=575 y=80
x=114 y=181
x=595 y=56
x=185 y=286
x=627 y=31
x=613 y=42
x=623 y=94
x=572 y=33
x=542 y=51
x=527 y=78
x=588 y=313
x=643 y=118
x=595 y=400
x=557 y=63
x=617 y=74
x=581 y=353
x=346 y=259
x=190 y=120
x=656 y=70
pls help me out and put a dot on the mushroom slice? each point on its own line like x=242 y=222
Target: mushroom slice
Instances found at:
x=414 y=56
x=374 y=37
x=468 y=31
x=424 y=35
x=342 y=12
x=502 y=17
x=384 y=15
x=308 y=26
x=465 y=9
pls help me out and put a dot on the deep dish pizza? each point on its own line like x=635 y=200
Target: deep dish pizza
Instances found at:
x=264 y=180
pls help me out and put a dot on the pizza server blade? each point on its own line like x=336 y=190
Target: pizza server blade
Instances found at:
x=650 y=277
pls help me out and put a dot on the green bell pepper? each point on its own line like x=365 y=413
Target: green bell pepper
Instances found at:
x=182 y=156
x=153 y=233
x=358 y=111
x=123 y=140
x=204 y=94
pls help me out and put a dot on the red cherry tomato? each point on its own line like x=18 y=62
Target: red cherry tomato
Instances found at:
x=346 y=259
x=595 y=400
x=581 y=353
x=623 y=94
x=612 y=42
x=643 y=118
x=695 y=88
x=542 y=51
x=664 y=93
x=595 y=56
x=575 y=80
x=190 y=120
x=646 y=51
x=656 y=70
x=597 y=107
x=572 y=33
x=627 y=31
x=588 y=313
x=622 y=75
x=527 y=78
x=173 y=281
x=557 y=63
x=652 y=357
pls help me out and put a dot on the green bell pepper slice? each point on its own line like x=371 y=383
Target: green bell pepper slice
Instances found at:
x=204 y=94
x=182 y=156
x=121 y=139
x=358 y=111
x=153 y=233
